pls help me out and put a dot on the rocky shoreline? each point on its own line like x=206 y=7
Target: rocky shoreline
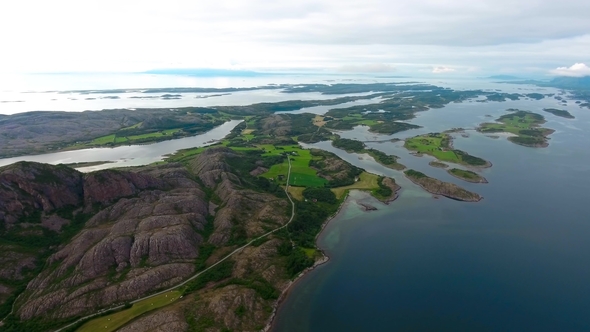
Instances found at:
x=325 y=258
x=437 y=187
x=481 y=179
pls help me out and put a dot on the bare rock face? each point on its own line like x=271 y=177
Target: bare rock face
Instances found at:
x=142 y=231
x=108 y=185
x=237 y=203
x=131 y=248
x=276 y=125
x=26 y=188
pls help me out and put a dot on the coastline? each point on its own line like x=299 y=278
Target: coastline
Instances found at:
x=325 y=258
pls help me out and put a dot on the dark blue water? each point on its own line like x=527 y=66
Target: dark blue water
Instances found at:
x=519 y=260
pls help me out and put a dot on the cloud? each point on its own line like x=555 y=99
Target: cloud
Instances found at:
x=442 y=70
x=576 y=70
x=346 y=35
x=367 y=68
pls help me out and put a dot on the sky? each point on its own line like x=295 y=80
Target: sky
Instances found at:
x=402 y=37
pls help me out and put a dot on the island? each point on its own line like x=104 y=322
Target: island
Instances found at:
x=561 y=113
x=439 y=145
x=438 y=187
x=437 y=164
x=524 y=125
x=466 y=175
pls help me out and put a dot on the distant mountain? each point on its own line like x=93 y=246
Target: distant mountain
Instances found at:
x=205 y=72
x=571 y=82
x=504 y=77
x=562 y=82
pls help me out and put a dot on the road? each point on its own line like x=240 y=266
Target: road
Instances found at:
x=205 y=270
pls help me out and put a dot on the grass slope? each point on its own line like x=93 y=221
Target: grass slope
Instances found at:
x=439 y=146
x=114 y=321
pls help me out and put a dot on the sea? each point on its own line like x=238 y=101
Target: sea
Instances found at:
x=519 y=260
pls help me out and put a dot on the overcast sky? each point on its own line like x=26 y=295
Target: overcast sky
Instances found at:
x=451 y=37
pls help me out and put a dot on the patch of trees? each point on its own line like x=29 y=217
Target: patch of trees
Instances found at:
x=469 y=159
x=415 y=174
x=320 y=194
x=219 y=272
x=349 y=145
x=383 y=190
x=309 y=217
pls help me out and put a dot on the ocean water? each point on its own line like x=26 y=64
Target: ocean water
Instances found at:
x=519 y=260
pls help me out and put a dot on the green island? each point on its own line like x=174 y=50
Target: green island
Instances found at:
x=439 y=145
x=560 y=113
x=437 y=164
x=438 y=187
x=350 y=145
x=525 y=125
x=468 y=176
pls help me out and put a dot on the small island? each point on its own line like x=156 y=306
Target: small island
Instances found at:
x=468 y=176
x=437 y=164
x=525 y=125
x=439 y=145
x=438 y=187
x=561 y=113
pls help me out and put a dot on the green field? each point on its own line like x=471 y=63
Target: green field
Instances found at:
x=103 y=140
x=133 y=127
x=367 y=181
x=119 y=138
x=301 y=174
x=439 y=146
x=310 y=252
x=183 y=155
x=436 y=145
x=114 y=321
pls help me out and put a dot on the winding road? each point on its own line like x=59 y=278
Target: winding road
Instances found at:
x=199 y=273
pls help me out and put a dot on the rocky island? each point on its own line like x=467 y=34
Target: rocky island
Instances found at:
x=438 y=187
x=466 y=175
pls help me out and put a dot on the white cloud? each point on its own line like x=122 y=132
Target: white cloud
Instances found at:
x=442 y=70
x=576 y=70
x=367 y=68
x=345 y=35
